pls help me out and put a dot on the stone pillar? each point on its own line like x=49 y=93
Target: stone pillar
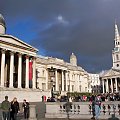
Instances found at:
x=70 y=78
x=66 y=80
x=2 y=68
x=107 y=88
x=11 y=68
x=19 y=70
x=34 y=73
x=56 y=80
x=27 y=73
x=46 y=79
x=103 y=86
x=62 y=81
x=78 y=84
x=32 y=113
x=111 y=86
x=116 y=84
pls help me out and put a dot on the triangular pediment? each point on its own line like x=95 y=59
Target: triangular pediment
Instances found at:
x=111 y=72
x=10 y=40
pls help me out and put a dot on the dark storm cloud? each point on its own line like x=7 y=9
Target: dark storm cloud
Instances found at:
x=85 y=27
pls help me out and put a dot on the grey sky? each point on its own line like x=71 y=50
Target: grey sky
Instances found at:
x=85 y=27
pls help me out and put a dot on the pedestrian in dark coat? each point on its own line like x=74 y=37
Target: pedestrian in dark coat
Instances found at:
x=5 y=106
x=14 y=109
x=93 y=106
x=25 y=106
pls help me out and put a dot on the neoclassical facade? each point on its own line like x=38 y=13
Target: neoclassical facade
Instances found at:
x=15 y=56
x=111 y=78
x=62 y=76
x=94 y=85
x=26 y=75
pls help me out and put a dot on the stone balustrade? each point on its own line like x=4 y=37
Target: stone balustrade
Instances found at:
x=81 y=110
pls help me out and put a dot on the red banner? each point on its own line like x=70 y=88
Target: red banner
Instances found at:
x=30 y=70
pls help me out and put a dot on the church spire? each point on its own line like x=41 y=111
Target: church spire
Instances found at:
x=116 y=50
x=117 y=36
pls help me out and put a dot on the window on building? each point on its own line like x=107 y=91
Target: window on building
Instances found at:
x=117 y=57
x=72 y=87
x=117 y=65
x=80 y=88
x=43 y=72
x=68 y=87
x=85 y=89
x=43 y=86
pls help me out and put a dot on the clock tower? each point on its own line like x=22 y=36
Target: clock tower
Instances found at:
x=116 y=50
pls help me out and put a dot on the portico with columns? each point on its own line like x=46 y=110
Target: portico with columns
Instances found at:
x=111 y=78
x=61 y=77
x=24 y=74
x=111 y=81
x=15 y=64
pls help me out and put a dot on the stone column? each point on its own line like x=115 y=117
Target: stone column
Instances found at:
x=11 y=68
x=32 y=113
x=70 y=78
x=46 y=79
x=2 y=68
x=56 y=80
x=34 y=73
x=19 y=70
x=66 y=80
x=62 y=81
x=111 y=86
x=107 y=89
x=78 y=84
x=103 y=86
x=116 y=84
x=27 y=73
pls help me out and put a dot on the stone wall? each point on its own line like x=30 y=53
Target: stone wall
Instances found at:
x=28 y=94
x=81 y=110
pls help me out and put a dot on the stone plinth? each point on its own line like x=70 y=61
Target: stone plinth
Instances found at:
x=32 y=113
x=31 y=95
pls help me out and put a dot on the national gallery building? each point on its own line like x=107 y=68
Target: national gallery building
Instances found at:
x=26 y=75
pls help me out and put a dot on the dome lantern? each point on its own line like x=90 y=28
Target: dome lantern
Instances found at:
x=73 y=59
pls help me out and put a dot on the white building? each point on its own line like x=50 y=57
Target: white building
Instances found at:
x=111 y=78
x=94 y=83
x=25 y=75
x=65 y=76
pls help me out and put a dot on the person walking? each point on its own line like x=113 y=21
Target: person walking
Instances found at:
x=14 y=109
x=93 y=106
x=5 y=106
x=25 y=106
x=97 y=107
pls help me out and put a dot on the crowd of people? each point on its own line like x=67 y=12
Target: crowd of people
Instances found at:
x=11 y=109
x=84 y=98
